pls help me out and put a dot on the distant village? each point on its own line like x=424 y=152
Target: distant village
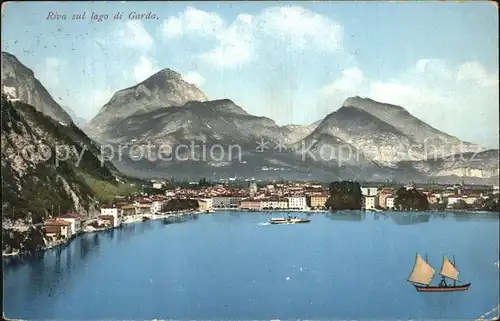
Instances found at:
x=155 y=201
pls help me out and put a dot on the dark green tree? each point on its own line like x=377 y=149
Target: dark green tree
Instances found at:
x=344 y=195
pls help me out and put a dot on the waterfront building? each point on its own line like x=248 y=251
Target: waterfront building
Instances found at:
x=269 y=203
x=57 y=228
x=128 y=209
x=383 y=195
x=156 y=207
x=274 y=202
x=370 y=202
x=108 y=220
x=113 y=212
x=282 y=203
x=389 y=202
x=297 y=202
x=251 y=204
x=205 y=204
x=143 y=208
x=318 y=201
x=226 y=201
x=75 y=221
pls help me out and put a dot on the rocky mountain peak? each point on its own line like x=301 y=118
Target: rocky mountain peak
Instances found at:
x=19 y=82
x=367 y=103
x=163 y=75
x=165 y=88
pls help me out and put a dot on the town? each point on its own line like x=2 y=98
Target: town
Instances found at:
x=160 y=199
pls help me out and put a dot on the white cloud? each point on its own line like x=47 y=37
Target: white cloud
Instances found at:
x=192 y=21
x=194 y=78
x=296 y=28
x=133 y=35
x=474 y=71
x=300 y=28
x=349 y=82
x=235 y=46
x=144 y=68
x=455 y=99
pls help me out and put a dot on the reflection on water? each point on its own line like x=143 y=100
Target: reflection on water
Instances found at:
x=410 y=218
x=354 y=216
x=475 y=216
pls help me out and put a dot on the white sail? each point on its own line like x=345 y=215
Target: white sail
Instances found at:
x=422 y=272
x=448 y=269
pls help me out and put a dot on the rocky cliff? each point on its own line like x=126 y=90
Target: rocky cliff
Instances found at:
x=44 y=165
x=19 y=82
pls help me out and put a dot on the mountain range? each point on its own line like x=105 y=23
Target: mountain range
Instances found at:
x=363 y=139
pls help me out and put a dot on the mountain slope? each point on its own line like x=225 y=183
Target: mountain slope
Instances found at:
x=45 y=165
x=479 y=165
x=19 y=82
x=293 y=133
x=79 y=121
x=163 y=89
x=368 y=135
x=412 y=127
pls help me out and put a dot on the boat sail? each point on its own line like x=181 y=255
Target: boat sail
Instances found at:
x=449 y=270
x=422 y=272
x=422 y=275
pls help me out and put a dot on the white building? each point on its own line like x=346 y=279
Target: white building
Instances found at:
x=113 y=211
x=369 y=191
x=269 y=203
x=297 y=202
x=156 y=207
x=370 y=202
x=389 y=202
x=75 y=221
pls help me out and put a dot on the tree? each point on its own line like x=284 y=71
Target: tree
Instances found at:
x=345 y=195
x=410 y=200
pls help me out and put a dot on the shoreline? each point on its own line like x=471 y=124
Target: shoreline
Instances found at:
x=90 y=229
x=139 y=218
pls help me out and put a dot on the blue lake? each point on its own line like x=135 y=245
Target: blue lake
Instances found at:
x=348 y=265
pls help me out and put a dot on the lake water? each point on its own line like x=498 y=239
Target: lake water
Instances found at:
x=232 y=266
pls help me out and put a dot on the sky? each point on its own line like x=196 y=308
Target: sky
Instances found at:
x=292 y=62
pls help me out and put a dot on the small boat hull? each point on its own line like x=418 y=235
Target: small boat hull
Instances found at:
x=289 y=221
x=422 y=288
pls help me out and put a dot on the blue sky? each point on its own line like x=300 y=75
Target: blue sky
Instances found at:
x=293 y=62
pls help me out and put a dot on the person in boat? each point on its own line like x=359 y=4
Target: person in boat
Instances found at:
x=443 y=283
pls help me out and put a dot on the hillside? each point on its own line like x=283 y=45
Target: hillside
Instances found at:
x=19 y=82
x=38 y=177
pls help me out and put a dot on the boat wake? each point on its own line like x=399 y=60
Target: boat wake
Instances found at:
x=264 y=224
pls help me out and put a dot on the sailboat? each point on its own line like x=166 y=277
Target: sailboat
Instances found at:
x=422 y=275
